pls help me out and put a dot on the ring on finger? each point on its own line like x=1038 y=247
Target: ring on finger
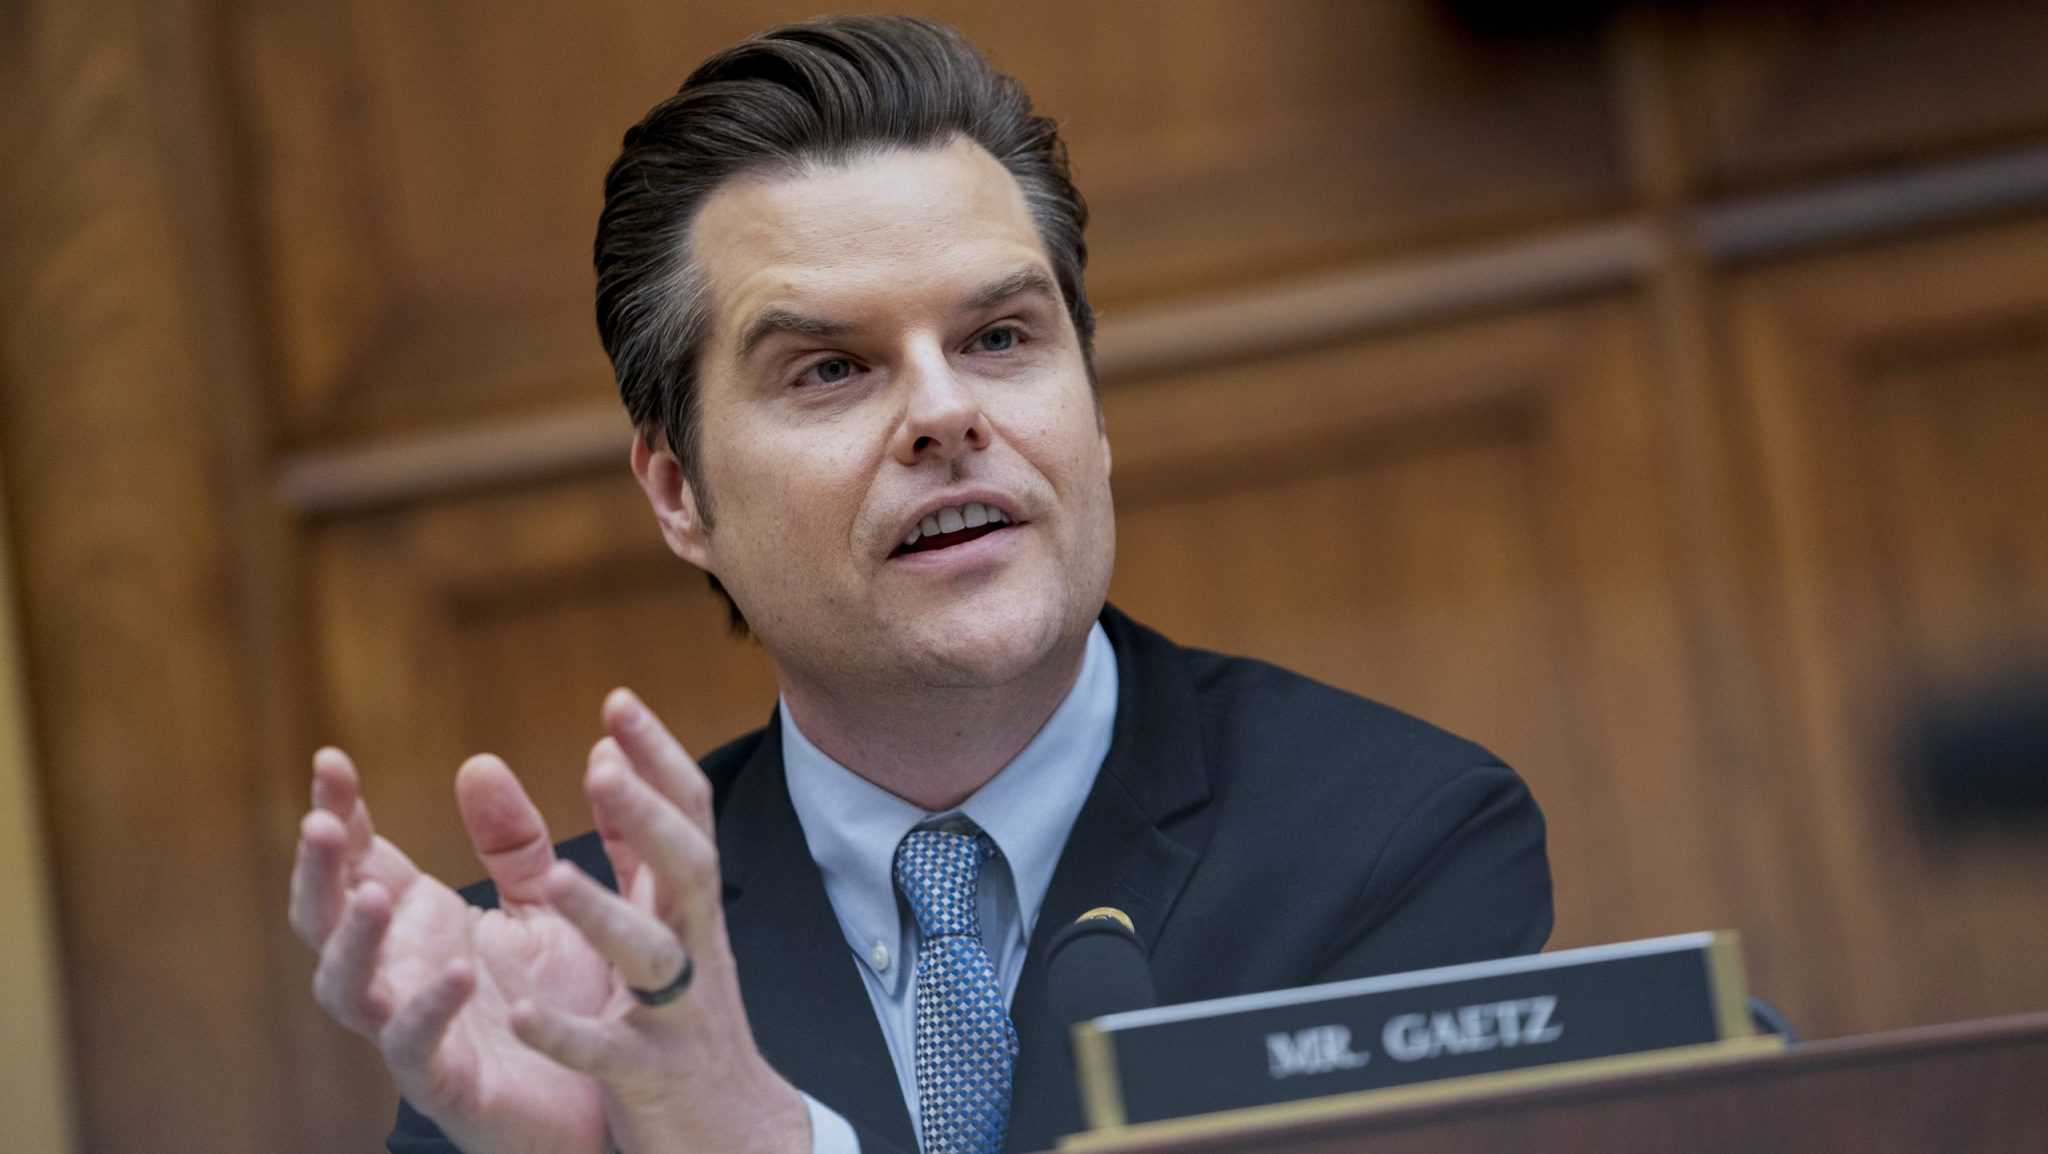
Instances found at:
x=670 y=992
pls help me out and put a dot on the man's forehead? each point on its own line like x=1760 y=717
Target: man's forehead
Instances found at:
x=942 y=220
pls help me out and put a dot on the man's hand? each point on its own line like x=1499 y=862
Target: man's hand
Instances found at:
x=474 y=1009
x=684 y=1075
x=430 y=979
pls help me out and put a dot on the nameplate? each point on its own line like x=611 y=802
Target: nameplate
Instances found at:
x=1666 y=995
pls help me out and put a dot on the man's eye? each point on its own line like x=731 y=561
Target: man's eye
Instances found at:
x=1000 y=340
x=830 y=372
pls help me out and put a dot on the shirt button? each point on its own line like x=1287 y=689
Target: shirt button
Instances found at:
x=879 y=956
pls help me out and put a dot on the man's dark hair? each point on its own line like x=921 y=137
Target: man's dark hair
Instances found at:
x=828 y=90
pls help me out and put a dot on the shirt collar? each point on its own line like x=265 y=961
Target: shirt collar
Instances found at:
x=853 y=826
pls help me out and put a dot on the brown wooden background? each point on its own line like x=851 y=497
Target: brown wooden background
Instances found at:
x=1660 y=398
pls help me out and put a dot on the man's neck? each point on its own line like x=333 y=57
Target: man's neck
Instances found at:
x=933 y=747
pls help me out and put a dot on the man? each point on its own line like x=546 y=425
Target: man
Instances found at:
x=840 y=282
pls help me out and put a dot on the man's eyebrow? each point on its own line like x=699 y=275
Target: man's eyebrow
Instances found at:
x=779 y=320
x=771 y=321
x=1024 y=280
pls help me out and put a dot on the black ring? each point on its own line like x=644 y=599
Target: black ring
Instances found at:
x=670 y=992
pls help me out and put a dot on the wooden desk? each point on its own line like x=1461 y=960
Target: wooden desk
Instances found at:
x=1970 y=1086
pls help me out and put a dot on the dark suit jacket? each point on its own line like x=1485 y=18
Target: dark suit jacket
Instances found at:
x=1262 y=830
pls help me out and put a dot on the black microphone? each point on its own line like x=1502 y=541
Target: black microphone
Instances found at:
x=1093 y=967
x=1097 y=966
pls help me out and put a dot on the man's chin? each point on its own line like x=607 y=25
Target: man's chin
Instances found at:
x=969 y=649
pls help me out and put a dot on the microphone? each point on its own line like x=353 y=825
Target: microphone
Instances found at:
x=1097 y=966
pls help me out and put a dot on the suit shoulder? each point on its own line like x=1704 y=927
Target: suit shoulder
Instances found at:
x=1248 y=700
x=1285 y=748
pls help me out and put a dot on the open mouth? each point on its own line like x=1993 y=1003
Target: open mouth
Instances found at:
x=953 y=525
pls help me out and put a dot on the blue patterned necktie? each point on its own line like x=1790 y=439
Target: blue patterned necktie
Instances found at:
x=966 y=1046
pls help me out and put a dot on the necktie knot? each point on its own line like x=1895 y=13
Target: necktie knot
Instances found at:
x=938 y=871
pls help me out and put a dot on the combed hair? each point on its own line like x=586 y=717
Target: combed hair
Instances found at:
x=828 y=90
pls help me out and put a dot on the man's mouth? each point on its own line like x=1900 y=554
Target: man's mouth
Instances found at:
x=953 y=525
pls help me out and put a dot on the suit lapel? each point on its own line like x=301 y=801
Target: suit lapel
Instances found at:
x=1118 y=854
x=809 y=1009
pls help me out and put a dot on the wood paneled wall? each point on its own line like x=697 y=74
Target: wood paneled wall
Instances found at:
x=1657 y=399
x=35 y=1069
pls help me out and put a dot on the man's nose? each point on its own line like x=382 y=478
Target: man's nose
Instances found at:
x=942 y=415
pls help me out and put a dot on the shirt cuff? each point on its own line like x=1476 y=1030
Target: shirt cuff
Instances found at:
x=830 y=1133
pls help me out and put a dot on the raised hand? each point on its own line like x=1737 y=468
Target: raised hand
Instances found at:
x=407 y=963
x=684 y=1075
x=516 y=1029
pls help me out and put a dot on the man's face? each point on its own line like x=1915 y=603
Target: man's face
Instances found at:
x=890 y=355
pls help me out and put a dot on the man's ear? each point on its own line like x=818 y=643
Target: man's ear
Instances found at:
x=1102 y=433
x=676 y=509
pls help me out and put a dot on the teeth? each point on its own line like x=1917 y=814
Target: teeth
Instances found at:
x=954 y=518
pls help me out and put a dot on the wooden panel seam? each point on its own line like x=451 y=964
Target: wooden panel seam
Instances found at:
x=1872 y=206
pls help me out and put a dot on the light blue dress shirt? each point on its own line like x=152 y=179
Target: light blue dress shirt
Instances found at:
x=853 y=827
